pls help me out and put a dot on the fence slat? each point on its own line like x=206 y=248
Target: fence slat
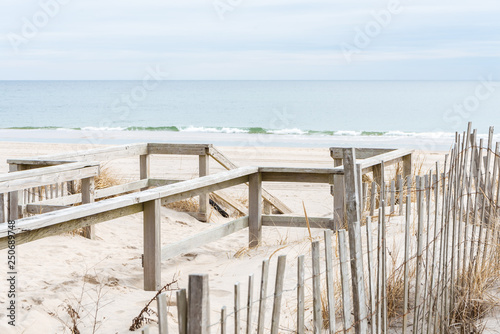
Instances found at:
x=199 y=305
x=329 y=281
x=223 y=329
x=161 y=302
x=278 y=292
x=263 y=296
x=249 y=304
x=344 y=275
x=237 y=308
x=182 y=310
x=300 y=295
x=316 y=280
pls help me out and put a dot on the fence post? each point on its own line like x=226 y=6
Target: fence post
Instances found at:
x=204 y=199
x=198 y=305
x=354 y=231
x=330 y=281
x=161 y=302
x=300 y=294
x=2 y=212
x=88 y=189
x=182 y=310
x=408 y=165
x=344 y=279
x=338 y=195
x=13 y=207
x=144 y=168
x=263 y=296
x=316 y=282
x=278 y=292
x=152 y=245
x=255 y=209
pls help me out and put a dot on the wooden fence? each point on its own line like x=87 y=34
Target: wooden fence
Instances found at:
x=451 y=235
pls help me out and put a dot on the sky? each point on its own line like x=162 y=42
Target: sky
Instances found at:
x=250 y=39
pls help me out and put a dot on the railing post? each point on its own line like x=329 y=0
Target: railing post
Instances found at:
x=152 y=245
x=204 y=198
x=354 y=230
x=14 y=198
x=144 y=168
x=88 y=190
x=338 y=196
x=199 y=305
x=408 y=165
x=255 y=209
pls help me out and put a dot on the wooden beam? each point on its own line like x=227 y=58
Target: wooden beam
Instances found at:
x=294 y=221
x=361 y=153
x=144 y=168
x=152 y=245
x=199 y=305
x=228 y=164
x=181 y=149
x=203 y=238
x=204 y=170
x=88 y=196
x=255 y=210
x=43 y=208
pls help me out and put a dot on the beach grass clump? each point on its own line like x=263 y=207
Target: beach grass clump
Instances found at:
x=185 y=205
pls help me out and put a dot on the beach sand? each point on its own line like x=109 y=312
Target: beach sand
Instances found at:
x=68 y=270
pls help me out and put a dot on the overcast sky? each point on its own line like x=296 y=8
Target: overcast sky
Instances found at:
x=250 y=39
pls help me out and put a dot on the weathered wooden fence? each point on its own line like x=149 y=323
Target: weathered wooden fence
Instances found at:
x=450 y=246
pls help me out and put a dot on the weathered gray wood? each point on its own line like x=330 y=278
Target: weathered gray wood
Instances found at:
x=99 y=154
x=393 y=197
x=13 y=199
x=225 y=199
x=2 y=208
x=329 y=281
x=379 y=273
x=255 y=209
x=161 y=304
x=406 y=264
x=278 y=292
x=88 y=188
x=370 y=263
x=361 y=153
x=420 y=223
x=182 y=309
x=39 y=208
x=18 y=175
x=300 y=295
x=249 y=304
x=401 y=194
x=373 y=197
x=408 y=165
x=353 y=218
x=144 y=167
x=291 y=174
x=145 y=330
x=203 y=162
x=263 y=296
x=180 y=149
x=316 y=283
x=383 y=254
x=344 y=275
x=295 y=221
x=122 y=188
x=236 y=308
x=203 y=238
x=228 y=164
x=338 y=196
x=389 y=158
x=223 y=329
x=152 y=245
x=199 y=305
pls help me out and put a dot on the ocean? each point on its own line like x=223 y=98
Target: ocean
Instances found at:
x=303 y=113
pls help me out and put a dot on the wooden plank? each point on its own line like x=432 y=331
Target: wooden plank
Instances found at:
x=406 y=264
x=249 y=304
x=236 y=308
x=393 y=196
x=223 y=329
x=2 y=208
x=255 y=210
x=300 y=295
x=338 y=196
x=344 y=276
x=389 y=158
x=263 y=297
x=20 y=181
x=228 y=164
x=370 y=264
x=43 y=208
x=13 y=200
x=401 y=194
x=278 y=293
x=353 y=218
x=227 y=200
x=373 y=197
x=420 y=223
x=203 y=198
x=120 y=189
x=329 y=281
x=24 y=236
x=99 y=154
x=361 y=153
x=182 y=309
x=295 y=177
x=180 y=149
x=152 y=245
x=199 y=305
x=169 y=193
x=316 y=283
x=144 y=167
x=203 y=238
x=293 y=221
x=161 y=304
x=88 y=188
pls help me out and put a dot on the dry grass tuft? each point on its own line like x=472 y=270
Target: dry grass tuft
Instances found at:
x=185 y=205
